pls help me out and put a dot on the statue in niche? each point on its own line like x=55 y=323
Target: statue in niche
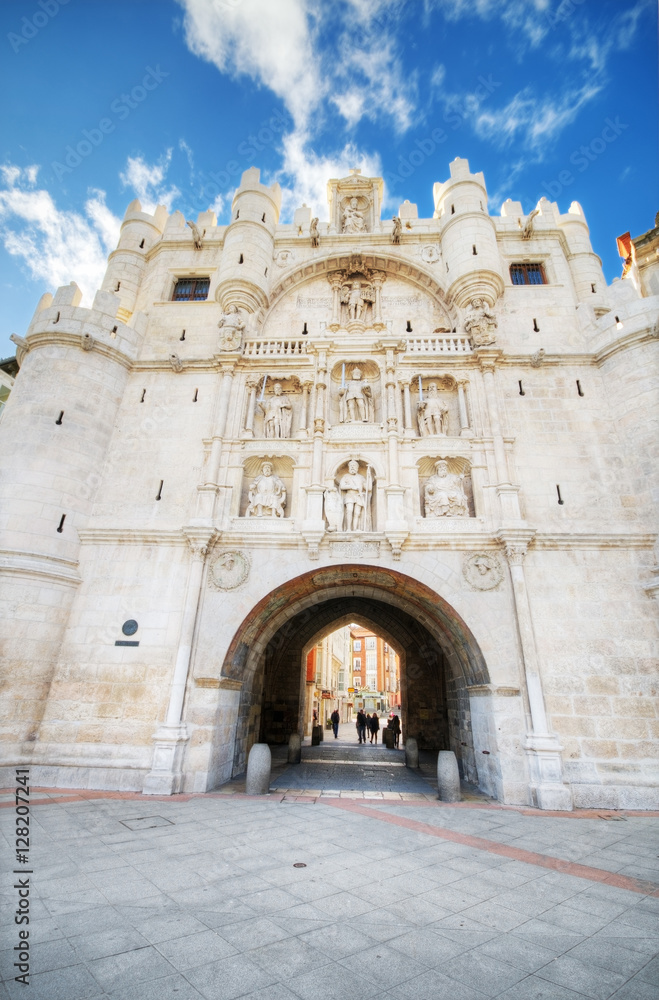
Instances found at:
x=232 y=327
x=356 y=405
x=481 y=324
x=356 y=296
x=267 y=494
x=444 y=494
x=397 y=230
x=432 y=414
x=356 y=493
x=333 y=509
x=313 y=232
x=353 y=219
x=277 y=414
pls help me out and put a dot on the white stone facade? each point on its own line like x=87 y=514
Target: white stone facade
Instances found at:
x=361 y=421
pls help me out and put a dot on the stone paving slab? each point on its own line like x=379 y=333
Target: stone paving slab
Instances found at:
x=210 y=905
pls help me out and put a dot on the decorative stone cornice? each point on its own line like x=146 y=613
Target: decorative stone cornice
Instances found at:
x=17 y=562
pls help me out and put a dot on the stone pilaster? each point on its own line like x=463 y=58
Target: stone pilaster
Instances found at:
x=171 y=737
x=543 y=750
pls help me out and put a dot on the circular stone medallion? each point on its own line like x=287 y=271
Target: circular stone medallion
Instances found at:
x=483 y=571
x=229 y=570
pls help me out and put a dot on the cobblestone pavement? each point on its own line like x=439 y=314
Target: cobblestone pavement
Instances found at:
x=147 y=898
x=343 y=764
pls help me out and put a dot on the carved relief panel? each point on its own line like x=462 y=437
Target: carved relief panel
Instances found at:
x=445 y=488
x=349 y=499
x=355 y=398
x=266 y=488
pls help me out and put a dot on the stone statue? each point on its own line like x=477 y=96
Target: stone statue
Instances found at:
x=353 y=219
x=433 y=414
x=277 y=414
x=444 y=495
x=527 y=232
x=481 y=324
x=356 y=496
x=355 y=296
x=232 y=326
x=313 y=232
x=196 y=235
x=333 y=509
x=267 y=494
x=356 y=404
x=398 y=229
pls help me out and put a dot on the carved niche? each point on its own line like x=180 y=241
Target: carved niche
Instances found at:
x=437 y=411
x=355 y=397
x=445 y=488
x=355 y=204
x=348 y=500
x=266 y=490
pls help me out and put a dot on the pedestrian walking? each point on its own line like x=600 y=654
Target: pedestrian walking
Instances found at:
x=336 y=718
x=395 y=725
x=374 y=726
x=361 y=726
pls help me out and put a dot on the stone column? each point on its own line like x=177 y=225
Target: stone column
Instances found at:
x=547 y=788
x=465 y=430
x=396 y=529
x=336 y=280
x=506 y=491
x=166 y=775
x=313 y=526
x=377 y=280
x=224 y=396
x=488 y=360
x=304 y=406
x=253 y=382
x=407 y=403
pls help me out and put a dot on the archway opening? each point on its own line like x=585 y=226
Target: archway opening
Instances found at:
x=440 y=661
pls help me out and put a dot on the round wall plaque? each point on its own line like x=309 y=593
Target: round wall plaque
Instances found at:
x=129 y=627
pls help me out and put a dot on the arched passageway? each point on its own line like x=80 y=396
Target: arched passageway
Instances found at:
x=442 y=666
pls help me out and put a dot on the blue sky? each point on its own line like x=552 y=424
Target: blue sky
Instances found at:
x=170 y=100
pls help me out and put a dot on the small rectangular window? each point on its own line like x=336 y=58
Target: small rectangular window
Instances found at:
x=357 y=645
x=191 y=290
x=527 y=274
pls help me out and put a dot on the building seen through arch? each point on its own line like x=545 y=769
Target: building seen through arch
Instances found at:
x=438 y=432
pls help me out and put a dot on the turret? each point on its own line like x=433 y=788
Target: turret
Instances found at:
x=244 y=272
x=139 y=231
x=54 y=437
x=585 y=265
x=469 y=244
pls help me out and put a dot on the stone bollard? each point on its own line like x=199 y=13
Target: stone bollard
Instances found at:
x=294 y=748
x=448 y=776
x=258 y=770
x=411 y=753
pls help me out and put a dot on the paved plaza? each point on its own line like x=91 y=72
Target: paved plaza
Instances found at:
x=312 y=894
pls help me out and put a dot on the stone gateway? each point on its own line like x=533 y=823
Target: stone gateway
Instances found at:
x=260 y=431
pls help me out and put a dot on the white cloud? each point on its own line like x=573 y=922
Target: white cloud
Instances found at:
x=56 y=246
x=305 y=53
x=271 y=42
x=148 y=181
x=534 y=122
